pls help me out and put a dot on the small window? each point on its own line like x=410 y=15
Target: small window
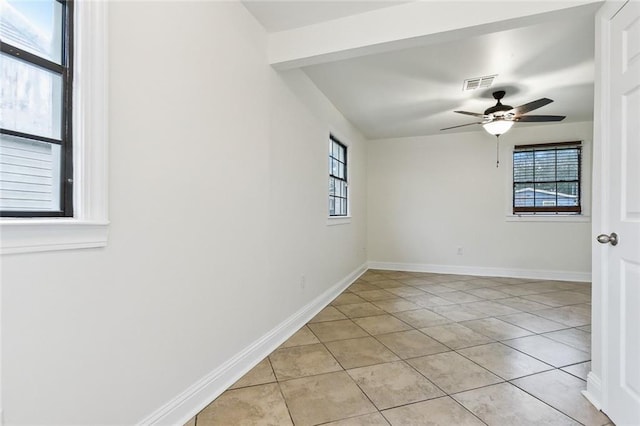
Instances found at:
x=338 y=185
x=546 y=178
x=36 y=166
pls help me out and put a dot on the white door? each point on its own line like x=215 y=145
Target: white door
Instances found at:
x=619 y=213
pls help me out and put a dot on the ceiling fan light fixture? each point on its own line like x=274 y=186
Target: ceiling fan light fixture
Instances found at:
x=498 y=127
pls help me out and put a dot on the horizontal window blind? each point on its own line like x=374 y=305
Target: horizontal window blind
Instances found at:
x=546 y=178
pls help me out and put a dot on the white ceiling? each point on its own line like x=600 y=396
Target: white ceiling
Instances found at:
x=285 y=15
x=414 y=92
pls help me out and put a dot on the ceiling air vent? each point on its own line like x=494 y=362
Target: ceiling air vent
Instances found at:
x=478 y=82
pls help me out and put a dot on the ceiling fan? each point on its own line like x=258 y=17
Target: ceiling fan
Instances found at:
x=499 y=118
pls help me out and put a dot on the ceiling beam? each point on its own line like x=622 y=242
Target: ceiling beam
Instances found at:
x=410 y=25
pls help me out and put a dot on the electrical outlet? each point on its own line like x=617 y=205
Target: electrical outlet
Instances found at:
x=460 y=251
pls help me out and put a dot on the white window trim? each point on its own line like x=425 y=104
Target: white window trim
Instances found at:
x=341 y=220
x=338 y=220
x=89 y=226
x=585 y=195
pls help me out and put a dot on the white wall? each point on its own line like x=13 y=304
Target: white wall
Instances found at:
x=217 y=204
x=427 y=196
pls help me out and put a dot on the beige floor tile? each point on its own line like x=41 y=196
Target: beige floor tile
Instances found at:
x=420 y=318
x=304 y=336
x=301 y=361
x=549 y=351
x=328 y=314
x=496 y=329
x=573 y=315
x=505 y=404
x=396 y=305
x=512 y=281
x=559 y=298
x=418 y=281
x=573 y=337
x=462 y=285
x=521 y=304
x=492 y=308
x=456 y=336
x=504 y=361
x=436 y=412
x=191 y=422
x=436 y=289
x=532 y=322
x=563 y=392
x=459 y=312
x=373 y=295
x=485 y=282
x=388 y=284
x=583 y=288
x=549 y=286
x=428 y=300
x=346 y=298
x=411 y=344
x=381 y=324
x=579 y=370
x=361 y=286
x=518 y=290
x=260 y=374
x=336 y=330
x=360 y=352
x=324 y=398
x=489 y=293
x=374 y=419
x=399 y=275
x=357 y=310
x=372 y=277
x=255 y=405
x=405 y=291
x=452 y=372
x=460 y=297
x=393 y=384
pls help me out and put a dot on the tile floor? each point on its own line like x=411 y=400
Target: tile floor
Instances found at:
x=400 y=348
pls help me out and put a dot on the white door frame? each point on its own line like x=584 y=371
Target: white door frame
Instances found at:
x=596 y=381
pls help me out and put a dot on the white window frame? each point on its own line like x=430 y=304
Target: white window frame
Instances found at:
x=88 y=227
x=341 y=220
x=585 y=192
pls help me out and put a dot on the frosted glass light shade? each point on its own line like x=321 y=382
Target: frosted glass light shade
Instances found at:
x=498 y=127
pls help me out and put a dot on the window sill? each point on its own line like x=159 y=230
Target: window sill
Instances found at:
x=548 y=218
x=338 y=220
x=31 y=236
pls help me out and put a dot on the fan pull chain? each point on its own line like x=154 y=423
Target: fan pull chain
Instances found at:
x=497 y=151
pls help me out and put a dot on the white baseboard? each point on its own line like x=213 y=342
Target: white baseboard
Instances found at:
x=594 y=391
x=484 y=271
x=187 y=404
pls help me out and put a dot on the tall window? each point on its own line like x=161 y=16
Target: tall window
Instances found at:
x=546 y=178
x=36 y=163
x=338 y=186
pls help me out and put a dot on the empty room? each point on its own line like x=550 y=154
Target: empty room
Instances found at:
x=319 y=212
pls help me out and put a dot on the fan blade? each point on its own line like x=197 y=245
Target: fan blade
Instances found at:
x=523 y=109
x=539 y=118
x=475 y=114
x=462 y=125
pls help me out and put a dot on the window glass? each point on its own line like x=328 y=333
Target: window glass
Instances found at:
x=338 y=187
x=29 y=175
x=34 y=26
x=546 y=178
x=31 y=98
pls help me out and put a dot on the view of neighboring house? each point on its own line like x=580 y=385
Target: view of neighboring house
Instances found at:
x=529 y=197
